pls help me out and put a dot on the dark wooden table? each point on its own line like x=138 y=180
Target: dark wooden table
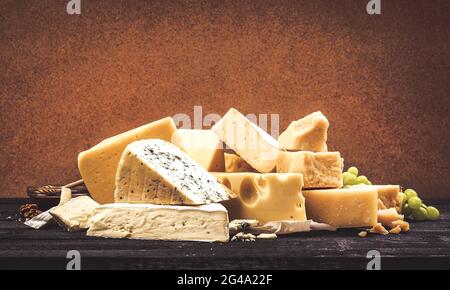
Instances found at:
x=426 y=246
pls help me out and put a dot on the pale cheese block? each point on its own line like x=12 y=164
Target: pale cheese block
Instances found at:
x=98 y=165
x=207 y=223
x=342 y=208
x=158 y=172
x=75 y=214
x=319 y=169
x=234 y=163
x=264 y=197
x=203 y=146
x=249 y=141
x=306 y=134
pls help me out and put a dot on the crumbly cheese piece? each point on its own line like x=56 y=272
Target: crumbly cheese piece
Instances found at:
x=264 y=197
x=396 y=230
x=320 y=170
x=75 y=214
x=362 y=234
x=404 y=226
x=266 y=236
x=342 y=208
x=249 y=141
x=379 y=229
x=306 y=134
x=203 y=146
x=158 y=172
x=387 y=216
x=234 y=163
x=98 y=165
x=208 y=223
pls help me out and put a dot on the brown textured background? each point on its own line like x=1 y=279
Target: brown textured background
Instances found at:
x=67 y=82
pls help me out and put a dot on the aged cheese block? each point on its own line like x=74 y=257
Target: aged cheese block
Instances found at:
x=158 y=172
x=342 y=208
x=203 y=146
x=234 y=163
x=264 y=197
x=98 y=165
x=75 y=214
x=208 y=223
x=306 y=134
x=320 y=169
x=249 y=141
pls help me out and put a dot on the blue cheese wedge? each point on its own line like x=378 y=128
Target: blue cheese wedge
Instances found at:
x=75 y=214
x=206 y=223
x=155 y=171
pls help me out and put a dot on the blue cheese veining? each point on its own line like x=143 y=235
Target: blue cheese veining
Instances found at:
x=158 y=172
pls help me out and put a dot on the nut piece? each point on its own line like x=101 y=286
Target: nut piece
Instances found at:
x=242 y=237
x=29 y=211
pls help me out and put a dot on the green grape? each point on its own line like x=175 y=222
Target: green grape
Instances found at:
x=406 y=210
x=433 y=213
x=353 y=170
x=351 y=180
x=420 y=214
x=415 y=203
x=410 y=193
x=402 y=198
x=346 y=177
x=362 y=179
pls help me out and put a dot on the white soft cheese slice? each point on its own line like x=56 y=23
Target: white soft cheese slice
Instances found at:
x=155 y=171
x=208 y=223
x=75 y=214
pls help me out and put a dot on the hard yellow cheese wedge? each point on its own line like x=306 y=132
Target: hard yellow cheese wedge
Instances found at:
x=306 y=134
x=320 y=170
x=98 y=165
x=342 y=208
x=203 y=146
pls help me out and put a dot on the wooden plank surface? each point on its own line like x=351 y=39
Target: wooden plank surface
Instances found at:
x=426 y=246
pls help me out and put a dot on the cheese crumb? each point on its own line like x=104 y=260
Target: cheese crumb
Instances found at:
x=404 y=226
x=395 y=230
x=362 y=234
x=379 y=229
x=266 y=236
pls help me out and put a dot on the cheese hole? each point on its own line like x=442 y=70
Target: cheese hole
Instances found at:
x=249 y=194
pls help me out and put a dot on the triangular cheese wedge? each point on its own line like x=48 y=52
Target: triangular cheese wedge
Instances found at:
x=155 y=171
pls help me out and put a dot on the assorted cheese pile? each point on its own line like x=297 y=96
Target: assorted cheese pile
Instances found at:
x=157 y=182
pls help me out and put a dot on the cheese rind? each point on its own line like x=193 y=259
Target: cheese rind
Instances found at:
x=98 y=165
x=234 y=163
x=342 y=208
x=208 y=223
x=320 y=170
x=264 y=197
x=306 y=134
x=203 y=146
x=158 y=172
x=249 y=141
x=75 y=214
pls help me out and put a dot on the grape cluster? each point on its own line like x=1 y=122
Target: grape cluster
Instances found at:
x=412 y=206
x=350 y=178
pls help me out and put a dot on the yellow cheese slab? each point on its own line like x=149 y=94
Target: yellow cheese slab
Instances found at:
x=264 y=197
x=306 y=134
x=203 y=146
x=342 y=208
x=319 y=169
x=98 y=165
x=234 y=163
x=249 y=141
